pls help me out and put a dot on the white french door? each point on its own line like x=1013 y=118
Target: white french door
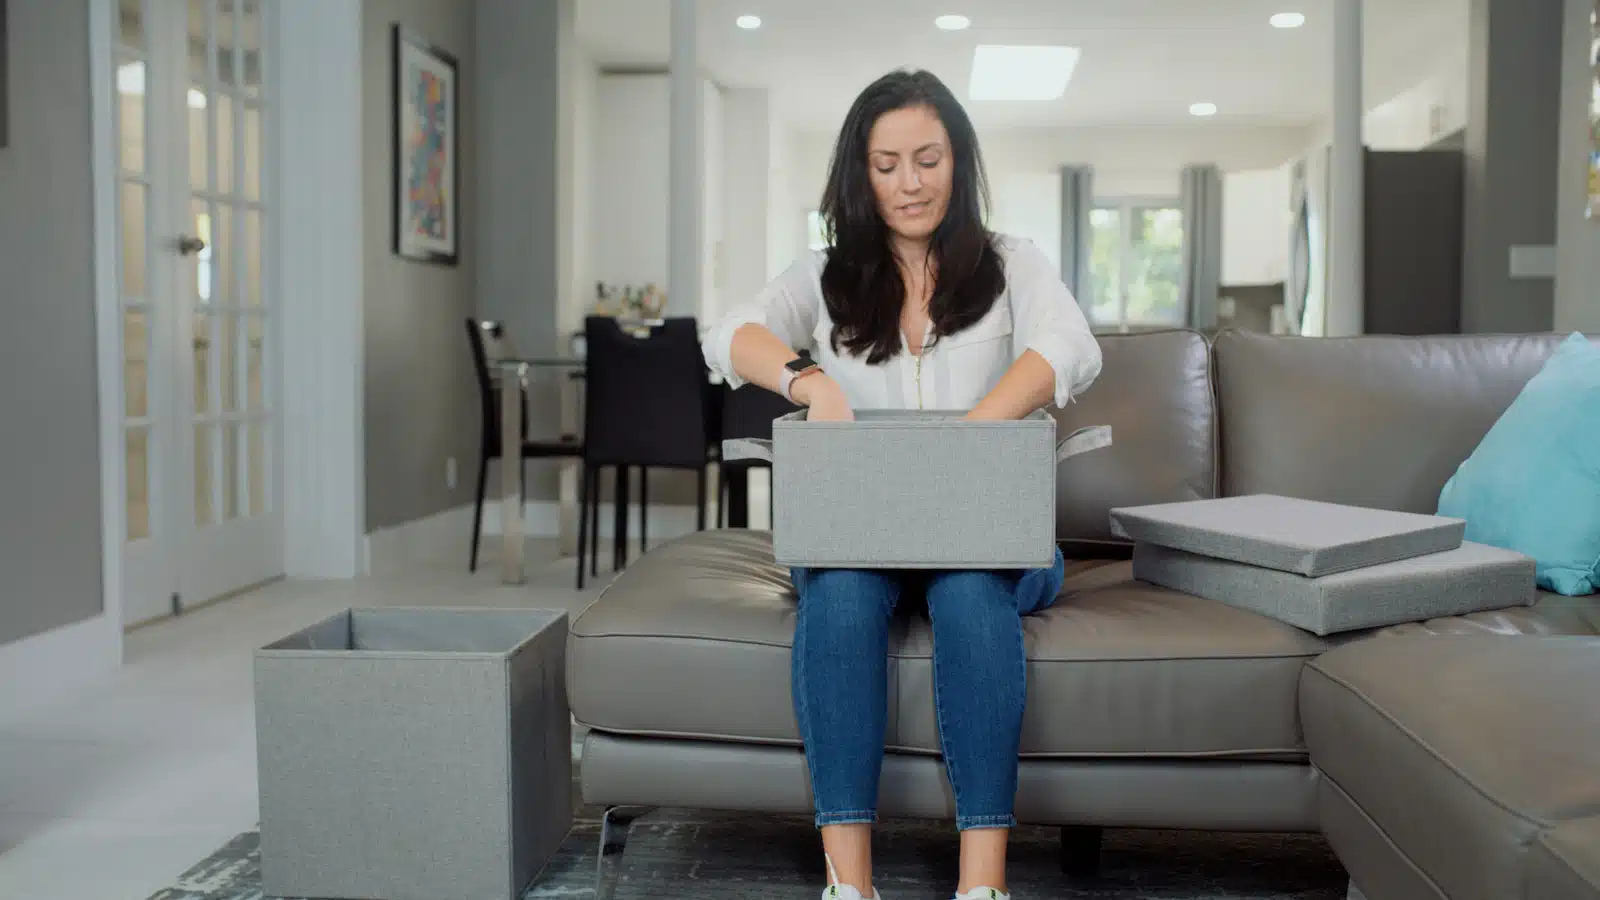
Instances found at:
x=200 y=417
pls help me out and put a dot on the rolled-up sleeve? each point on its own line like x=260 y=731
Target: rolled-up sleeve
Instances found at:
x=789 y=306
x=1050 y=322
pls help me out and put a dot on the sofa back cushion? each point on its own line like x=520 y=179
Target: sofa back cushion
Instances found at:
x=1380 y=422
x=1155 y=392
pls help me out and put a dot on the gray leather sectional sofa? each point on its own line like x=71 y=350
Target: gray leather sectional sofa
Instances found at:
x=1453 y=758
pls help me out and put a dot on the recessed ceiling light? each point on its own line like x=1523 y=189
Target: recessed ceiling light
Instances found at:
x=748 y=23
x=1288 y=20
x=1202 y=109
x=952 y=23
x=1005 y=74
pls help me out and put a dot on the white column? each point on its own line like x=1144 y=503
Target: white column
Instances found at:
x=1346 y=226
x=685 y=196
x=319 y=233
x=1347 y=215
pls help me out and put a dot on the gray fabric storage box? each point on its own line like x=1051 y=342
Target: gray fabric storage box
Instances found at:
x=1288 y=534
x=1471 y=578
x=915 y=489
x=414 y=754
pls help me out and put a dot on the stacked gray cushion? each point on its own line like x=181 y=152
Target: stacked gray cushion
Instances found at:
x=1288 y=534
x=1322 y=567
x=1471 y=578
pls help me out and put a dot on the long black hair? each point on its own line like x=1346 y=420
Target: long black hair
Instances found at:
x=861 y=282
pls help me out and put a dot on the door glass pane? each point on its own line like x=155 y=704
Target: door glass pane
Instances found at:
x=224 y=105
x=1105 y=265
x=198 y=115
x=250 y=46
x=199 y=39
x=231 y=486
x=137 y=464
x=203 y=339
x=203 y=505
x=227 y=345
x=220 y=287
x=258 y=468
x=1158 y=267
x=252 y=152
x=134 y=231
x=251 y=250
x=254 y=370
x=201 y=262
x=130 y=116
x=225 y=24
x=130 y=23
x=135 y=364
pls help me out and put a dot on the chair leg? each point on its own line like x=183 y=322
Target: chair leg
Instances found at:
x=477 y=511
x=585 y=488
x=619 y=517
x=722 y=494
x=700 y=500
x=594 y=524
x=644 y=509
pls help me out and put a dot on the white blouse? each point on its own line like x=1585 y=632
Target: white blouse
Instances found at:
x=1036 y=312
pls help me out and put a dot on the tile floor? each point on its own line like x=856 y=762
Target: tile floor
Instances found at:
x=110 y=794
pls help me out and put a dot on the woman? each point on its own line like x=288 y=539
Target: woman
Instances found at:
x=916 y=305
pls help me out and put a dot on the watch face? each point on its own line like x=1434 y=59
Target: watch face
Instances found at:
x=801 y=364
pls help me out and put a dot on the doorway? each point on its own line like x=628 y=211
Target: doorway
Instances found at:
x=201 y=421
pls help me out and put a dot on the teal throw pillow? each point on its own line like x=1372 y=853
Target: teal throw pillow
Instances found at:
x=1533 y=484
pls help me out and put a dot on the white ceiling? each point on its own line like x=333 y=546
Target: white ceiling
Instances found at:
x=1144 y=61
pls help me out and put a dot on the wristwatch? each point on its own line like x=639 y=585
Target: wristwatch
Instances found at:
x=793 y=371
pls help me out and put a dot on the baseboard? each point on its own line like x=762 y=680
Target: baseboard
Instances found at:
x=446 y=537
x=52 y=665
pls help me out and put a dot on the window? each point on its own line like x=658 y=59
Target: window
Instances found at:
x=1135 y=264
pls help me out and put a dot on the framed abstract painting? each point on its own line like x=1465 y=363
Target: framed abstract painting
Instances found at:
x=427 y=202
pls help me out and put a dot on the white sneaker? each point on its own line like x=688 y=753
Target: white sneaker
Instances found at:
x=846 y=892
x=983 y=893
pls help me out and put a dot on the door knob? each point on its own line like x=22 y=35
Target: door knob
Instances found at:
x=189 y=245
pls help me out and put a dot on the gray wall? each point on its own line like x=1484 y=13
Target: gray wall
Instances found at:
x=421 y=401
x=519 y=80
x=50 y=550
x=1512 y=141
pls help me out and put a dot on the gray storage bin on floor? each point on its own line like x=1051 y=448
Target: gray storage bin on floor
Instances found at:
x=1288 y=534
x=1472 y=578
x=414 y=754
x=914 y=489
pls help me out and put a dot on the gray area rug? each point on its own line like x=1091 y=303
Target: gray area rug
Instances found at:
x=685 y=854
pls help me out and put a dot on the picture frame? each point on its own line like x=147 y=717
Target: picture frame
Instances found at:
x=426 y=145
x=1593 y=206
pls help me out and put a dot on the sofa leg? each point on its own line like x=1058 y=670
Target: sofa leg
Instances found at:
x=1080 y=849
x=613 y=838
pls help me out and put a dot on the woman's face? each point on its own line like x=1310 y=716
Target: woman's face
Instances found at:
x=908 y=159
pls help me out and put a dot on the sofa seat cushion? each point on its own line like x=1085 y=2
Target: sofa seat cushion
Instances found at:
x=1565 y=864
x=1460 y=750
x=1119 y=668
x=693 y=641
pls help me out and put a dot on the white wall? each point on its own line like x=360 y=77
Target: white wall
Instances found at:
x=786 y=202
x=580 y=86
x=1028 y=204
x=713 y=232
x=1577 y=302
x=628 y=180
x=746 y=166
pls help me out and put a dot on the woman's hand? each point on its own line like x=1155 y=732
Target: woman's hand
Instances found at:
x=823 y=398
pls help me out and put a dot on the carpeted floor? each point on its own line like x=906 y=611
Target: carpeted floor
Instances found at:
x=673 y=854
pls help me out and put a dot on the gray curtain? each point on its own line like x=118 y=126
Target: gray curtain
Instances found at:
x=1077 y=199
x=1202 y=244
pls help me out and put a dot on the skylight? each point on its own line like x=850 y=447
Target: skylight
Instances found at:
x=1013 y=74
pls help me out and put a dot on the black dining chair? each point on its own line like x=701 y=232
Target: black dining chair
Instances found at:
x=490 y=344
x=646 y=407
x=747 y=412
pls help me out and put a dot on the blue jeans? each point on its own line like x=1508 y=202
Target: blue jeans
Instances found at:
x=841 y=682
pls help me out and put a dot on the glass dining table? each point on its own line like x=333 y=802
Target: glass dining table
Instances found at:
x=513 y=528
